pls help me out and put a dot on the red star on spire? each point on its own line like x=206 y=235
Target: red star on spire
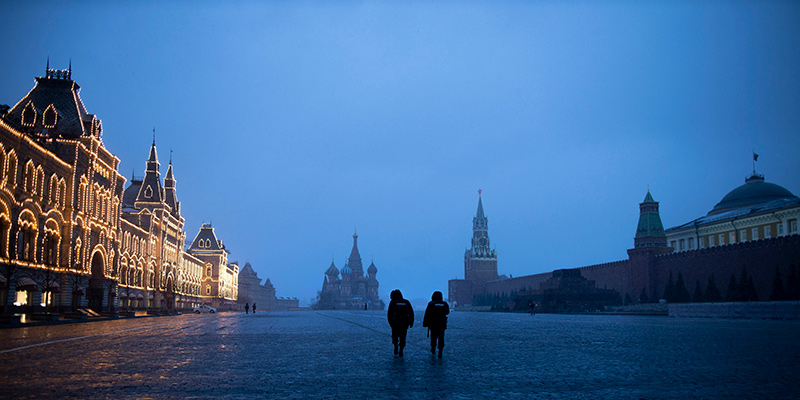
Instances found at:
x=479 y=191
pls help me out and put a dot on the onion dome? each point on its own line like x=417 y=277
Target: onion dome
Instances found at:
x=332 y=270
x=754 y=191
x=372 y=269
x=346 y=270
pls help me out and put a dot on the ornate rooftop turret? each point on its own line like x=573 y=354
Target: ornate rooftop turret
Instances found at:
x=150 y=193
x=346 y=270
x=650 y=231
x=332 y=270
x=54 y=109
x=170 y=194
x=354 y=262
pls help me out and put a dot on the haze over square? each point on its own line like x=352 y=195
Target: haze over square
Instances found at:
x=295 y=125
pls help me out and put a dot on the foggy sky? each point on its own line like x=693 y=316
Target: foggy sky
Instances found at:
x=294 y=124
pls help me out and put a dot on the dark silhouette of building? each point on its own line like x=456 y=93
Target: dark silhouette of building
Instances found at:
x=750 y=236
x=253 y=292
x=480 y=263
x=353 y=291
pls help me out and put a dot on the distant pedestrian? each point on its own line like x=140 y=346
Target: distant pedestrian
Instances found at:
x=246 y=308
x=254 y=308
x=435 y=320
x=401 y=317
x=532 y=306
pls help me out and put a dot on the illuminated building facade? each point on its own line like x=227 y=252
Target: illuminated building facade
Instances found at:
x=71 y=237
x=219 y=285
x=353 y=291
x=154 y=272
x=59 y=200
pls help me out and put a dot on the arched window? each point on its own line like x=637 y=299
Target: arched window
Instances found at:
x=39 y=181
x=26 y=238
x=208 y=289
x=51 y=243
x=30 y=177
x=29 y=115
x=208 y=243
x=62 y=192
x=11 y=170
x=123 y=271
x=209 y=270
x=5 y=228
x=50 y=117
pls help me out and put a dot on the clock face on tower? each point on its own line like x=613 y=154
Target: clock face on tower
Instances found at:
x=483 y=241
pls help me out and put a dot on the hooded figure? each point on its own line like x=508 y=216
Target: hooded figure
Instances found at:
x=401 y=317
x=436 y=321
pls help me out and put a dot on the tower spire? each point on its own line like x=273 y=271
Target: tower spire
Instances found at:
x=650 y=230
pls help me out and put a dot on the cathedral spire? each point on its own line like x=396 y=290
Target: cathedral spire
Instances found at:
x=355 y=258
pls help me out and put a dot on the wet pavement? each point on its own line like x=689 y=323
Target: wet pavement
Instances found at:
x=348 y=355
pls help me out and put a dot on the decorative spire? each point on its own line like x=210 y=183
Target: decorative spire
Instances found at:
x=479 y=214
x=151 y=190
x=354 y=262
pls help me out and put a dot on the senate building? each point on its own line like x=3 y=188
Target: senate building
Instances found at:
x=73 y=236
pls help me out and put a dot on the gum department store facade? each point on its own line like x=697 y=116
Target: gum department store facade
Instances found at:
x=72 y=236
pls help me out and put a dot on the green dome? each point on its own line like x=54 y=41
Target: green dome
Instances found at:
x=754 y=191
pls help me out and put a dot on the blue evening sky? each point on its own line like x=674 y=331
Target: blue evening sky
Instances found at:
x=294 y=123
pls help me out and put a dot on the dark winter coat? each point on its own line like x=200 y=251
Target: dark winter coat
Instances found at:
x=436 y=315
x=400 y=313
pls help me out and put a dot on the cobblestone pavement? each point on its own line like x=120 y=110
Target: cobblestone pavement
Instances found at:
x=348 y=355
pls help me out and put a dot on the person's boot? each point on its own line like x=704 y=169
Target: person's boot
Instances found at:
x=440 y=353
x=401 y=352
x=433 y=350
x=395 y=349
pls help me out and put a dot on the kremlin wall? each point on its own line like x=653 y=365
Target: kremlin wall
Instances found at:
x=748 y=239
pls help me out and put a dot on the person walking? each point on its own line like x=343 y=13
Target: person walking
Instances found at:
x=401 y=317
x=435 y=320
x=246 y=308
x=254 y=307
